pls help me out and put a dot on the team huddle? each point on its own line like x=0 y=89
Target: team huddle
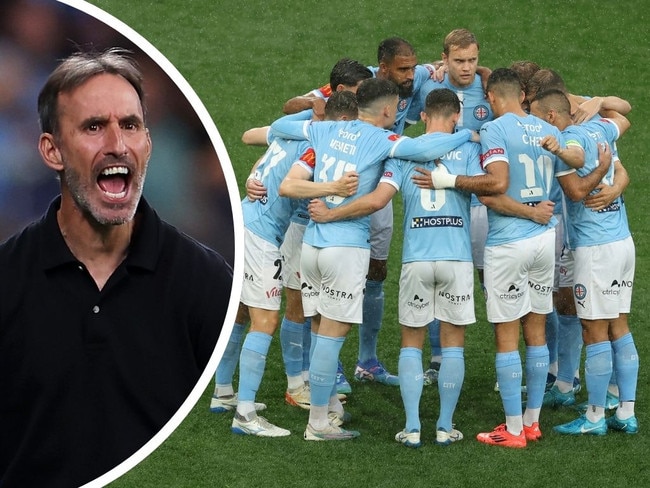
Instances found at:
x=514 y=177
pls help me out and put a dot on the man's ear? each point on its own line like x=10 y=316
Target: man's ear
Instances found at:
x=50 y=152
x=149 y=144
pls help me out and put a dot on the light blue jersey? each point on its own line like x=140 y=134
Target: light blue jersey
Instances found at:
x=584 y=227
x=532 y=171
x=475 y=110
x=436 y=222
x=404 y=112
x=269 y=216
x=357 y=146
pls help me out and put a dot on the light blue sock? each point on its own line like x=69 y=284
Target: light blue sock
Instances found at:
x=450 y=383
x=552 y=326
x=536 y=372
x=373 y=314
x=434 y=337
x=410 y=373
x=252 y=363
x=228 y=364
x=598 y=369
x=569 y=347
x=626 y=364
x=291 y=343
x=509 y=372
x=306 y=344
x=322 y=370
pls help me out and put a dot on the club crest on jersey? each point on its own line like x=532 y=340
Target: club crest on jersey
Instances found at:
x=401 y=106
x=481 y=112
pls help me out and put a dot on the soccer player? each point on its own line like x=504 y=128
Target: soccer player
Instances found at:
x=345 y=75
x=333 y=298
x=518 y=255
x=437 y=274
x=266 y=221
x=397 y=62
x=460 y=58
x=568 y=325
x=603 y=275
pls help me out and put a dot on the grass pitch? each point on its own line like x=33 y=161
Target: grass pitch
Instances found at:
x=244 y=59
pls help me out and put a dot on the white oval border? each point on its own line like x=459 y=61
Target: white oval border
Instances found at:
x=235 y=204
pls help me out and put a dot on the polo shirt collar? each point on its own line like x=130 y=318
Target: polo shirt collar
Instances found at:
x=143 y=252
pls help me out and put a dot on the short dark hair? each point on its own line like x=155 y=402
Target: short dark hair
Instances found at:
x=78 y=68
x=525 y=70
x=442 y=102
x=393 y=46
x=348 y=72
x=504 y=81
x=373 y=89
x=544 y=79
x=553 y=99
x=341 y=103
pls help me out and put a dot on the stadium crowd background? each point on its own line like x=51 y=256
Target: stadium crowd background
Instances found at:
x=185 y=181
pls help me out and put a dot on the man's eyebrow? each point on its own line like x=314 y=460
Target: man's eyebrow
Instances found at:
x=132 y=119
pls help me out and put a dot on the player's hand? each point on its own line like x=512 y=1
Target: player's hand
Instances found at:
x=543 y=212
x=318 y=211
x=604 y=154
x=439 y=74
x=348 y=184
x=551 y=144
x=255 y=190
x=318 y=106
x=586 y=110
x=476 y=137
x=423 y=179
x=603 y=198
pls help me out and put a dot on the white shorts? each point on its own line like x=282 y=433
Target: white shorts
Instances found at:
x=436 y=289
x=519 y=277
x=290 y=250
x=381 y=232
x=604 y=278
x=478 y=228
x=262 y=286
x=565 y=270
x=334 y=279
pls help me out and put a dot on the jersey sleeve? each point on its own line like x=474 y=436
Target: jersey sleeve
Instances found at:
x=393 y=169
x=428 y=147
x=474 y=159
x=492 y=145
x=294 y=126
x=307 y=160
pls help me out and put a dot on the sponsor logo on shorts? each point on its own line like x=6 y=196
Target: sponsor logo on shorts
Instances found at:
x=307 y=290
x=541 y=289
x=455 y=299
x=424 y=222
x=337 y=295
x=513 y=293
x=615 y=288
x=274 y=292
x=418 y=303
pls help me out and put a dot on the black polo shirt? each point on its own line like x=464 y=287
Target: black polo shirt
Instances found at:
x=87 y=376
